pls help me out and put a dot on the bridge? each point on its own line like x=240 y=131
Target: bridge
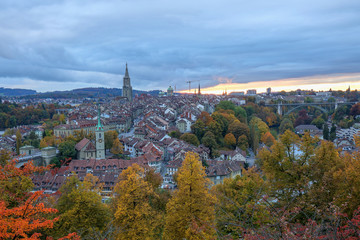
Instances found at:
x=24 y=159
x=295 y=106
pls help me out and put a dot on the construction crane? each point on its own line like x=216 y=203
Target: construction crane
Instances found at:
x=189 y=82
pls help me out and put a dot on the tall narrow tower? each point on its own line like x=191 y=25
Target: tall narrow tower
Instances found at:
x=127 y=89
x=99 y=134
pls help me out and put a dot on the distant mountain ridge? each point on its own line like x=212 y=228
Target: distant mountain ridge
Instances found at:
x=75 y=93
x=12 y=92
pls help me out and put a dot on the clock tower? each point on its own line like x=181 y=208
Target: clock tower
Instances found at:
x=100 y=143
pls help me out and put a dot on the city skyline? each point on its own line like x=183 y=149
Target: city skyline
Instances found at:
x=231 y=45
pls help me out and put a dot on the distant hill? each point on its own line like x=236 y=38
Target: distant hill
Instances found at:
x=12 y=92
x=89 y=92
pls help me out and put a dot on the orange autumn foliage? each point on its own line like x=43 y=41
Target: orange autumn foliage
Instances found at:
x=22 y=213
x=20 y=221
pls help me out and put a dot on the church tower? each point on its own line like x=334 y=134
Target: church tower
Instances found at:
x=127 y=89
x=99 y=134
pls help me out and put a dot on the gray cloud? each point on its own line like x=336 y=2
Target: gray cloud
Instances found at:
x=88 y=42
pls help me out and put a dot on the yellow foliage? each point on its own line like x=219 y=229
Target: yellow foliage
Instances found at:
x=191 y=211
x=134 y=215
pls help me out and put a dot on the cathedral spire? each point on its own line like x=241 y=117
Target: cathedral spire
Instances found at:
x=126 y=71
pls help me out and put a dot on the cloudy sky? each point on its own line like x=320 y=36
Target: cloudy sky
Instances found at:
x=66 y=44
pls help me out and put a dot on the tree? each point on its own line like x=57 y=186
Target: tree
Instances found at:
x=318 y=122
x=226 y=105
x=326 y=132
x=134 y=214
x=22 y=214
x=240 y=113
x=190 y=213
x=67 y=149
x=222 y=121
x=110 y=137
x=18 y=141
x=175 y=134
x=25 y=220
x=237 y=129
x=190 y=138
x=332 y=133
x=198 y=128
x=355 y=109
x=80 y=208
x=230 y=140
x=205 y=118
x=117 y=147
x=268 y=139
x=260 y=125
x=240 y=204
x=209 y=141
x=302 y=118
x=243 y=142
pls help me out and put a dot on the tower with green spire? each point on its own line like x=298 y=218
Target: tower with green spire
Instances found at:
x=99 y=134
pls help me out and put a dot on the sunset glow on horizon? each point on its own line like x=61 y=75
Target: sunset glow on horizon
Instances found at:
x=316 y=83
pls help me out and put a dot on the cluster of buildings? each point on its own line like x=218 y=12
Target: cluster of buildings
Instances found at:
x=144 y=123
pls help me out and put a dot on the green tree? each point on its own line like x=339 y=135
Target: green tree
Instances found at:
x=326 y=132
x=198 y=128
x=190 y=138
x=240 y=113
x=175 y=134
x=67 y=149
x=318 y=122
x=81 y=209
x=134 y=215
x=286 y=124
x=209 y=141
x=226 y=105
x=333 y=133
x=190 y=213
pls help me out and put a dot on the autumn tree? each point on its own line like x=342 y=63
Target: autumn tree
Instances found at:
x=238 y=128
x=110 y=137
x=190 y=213
x=134 y=215
x=268 y=139
x=240 y=204
x=222 y=121
x=205 y=118
x=230 y=140
x=190 y=138
x=243 y=142
x=117 y=147
x=80 y=208
x=22 y=214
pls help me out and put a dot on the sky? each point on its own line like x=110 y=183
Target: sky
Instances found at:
x=228 y=44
